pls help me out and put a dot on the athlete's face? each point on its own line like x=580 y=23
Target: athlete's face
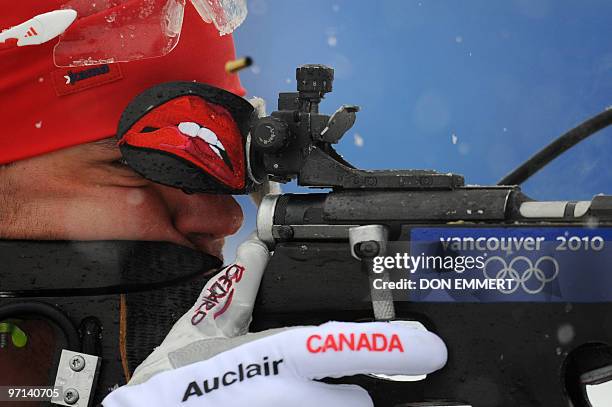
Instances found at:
x=84 y=193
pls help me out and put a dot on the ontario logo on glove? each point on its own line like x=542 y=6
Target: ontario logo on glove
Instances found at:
x=219 y=295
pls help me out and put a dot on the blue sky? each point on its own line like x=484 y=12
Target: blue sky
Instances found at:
x=472 y=87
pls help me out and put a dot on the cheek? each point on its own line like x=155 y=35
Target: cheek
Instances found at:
x=119 y=213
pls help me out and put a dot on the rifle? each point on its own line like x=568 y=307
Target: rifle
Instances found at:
x=539 y=341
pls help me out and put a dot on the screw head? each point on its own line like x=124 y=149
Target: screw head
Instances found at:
x=285 y=232
x=368 y=249
x=77 y=363
x=71 y=396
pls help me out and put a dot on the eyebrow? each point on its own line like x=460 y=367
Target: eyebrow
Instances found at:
x=109 y=143
x=105 y=149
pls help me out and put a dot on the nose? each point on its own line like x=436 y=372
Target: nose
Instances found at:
x=202 y=216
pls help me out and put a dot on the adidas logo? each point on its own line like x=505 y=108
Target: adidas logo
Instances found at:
x=31 y=32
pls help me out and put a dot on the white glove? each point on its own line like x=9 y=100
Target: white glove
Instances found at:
x=207 y=359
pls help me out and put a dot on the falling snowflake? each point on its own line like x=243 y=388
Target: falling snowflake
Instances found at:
x=358 y=140
x=565 y=334
x=332 y=40
x=256 y=69
x=135 y=197
x=458 y=39
x=592 y=222
x=38 y=125
x=454 y=138
x=41 y=79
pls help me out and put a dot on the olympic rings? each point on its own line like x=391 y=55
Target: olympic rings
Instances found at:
x=509 y=272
